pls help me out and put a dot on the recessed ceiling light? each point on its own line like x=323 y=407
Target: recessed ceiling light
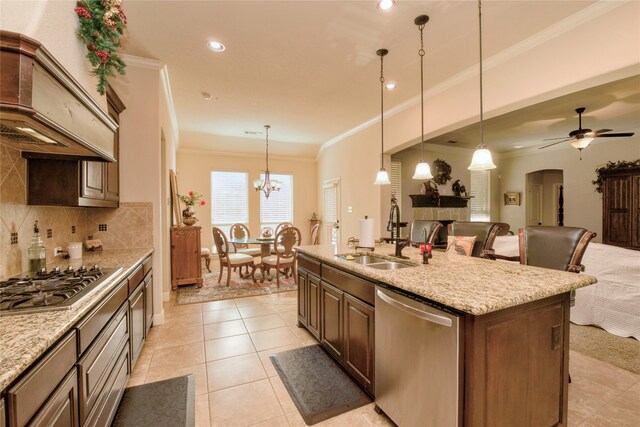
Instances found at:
x=391 y=85
x=252 y=132
x=215 y=46
x=206 y=96
x=517 y=146
x=386 y=5
x=451 y=141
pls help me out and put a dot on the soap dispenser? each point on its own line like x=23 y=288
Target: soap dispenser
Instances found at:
x=37 y=253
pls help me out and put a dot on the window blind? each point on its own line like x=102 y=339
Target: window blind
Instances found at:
x=279 y=206
x=229 y=199
x=330 y=203
x=396 y=181
x=480 y=203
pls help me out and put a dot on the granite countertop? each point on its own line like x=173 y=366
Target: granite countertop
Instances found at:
x=471 y=285
x=25 y=337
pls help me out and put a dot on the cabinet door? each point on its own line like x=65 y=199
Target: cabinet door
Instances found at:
x=136 y=316
x=61 y=409
x=148 y=303
x=92 y=180
x=635 y=214
x=359 y=340
x=302 y=298
x=185 y=255
x=313 y=305
x=112 y=170
x=331 y=319
x=617 y=212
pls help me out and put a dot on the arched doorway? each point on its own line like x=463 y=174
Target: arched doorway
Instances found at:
x=544 y=197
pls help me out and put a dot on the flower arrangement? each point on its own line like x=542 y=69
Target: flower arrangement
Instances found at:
x=191 y=198
x=102 y=23
x=612 y=165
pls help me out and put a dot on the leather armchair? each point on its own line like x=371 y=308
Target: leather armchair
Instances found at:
x=423 y=231
x=485 y=233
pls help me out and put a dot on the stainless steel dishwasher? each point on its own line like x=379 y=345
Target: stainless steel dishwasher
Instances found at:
x=418 y=366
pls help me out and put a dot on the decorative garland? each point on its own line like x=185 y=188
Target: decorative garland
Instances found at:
x=102 y=23
x=613 y=165
x=443 y=172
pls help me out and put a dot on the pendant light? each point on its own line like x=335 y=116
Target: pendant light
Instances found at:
x=423 y=171
x=481 y=160
x=382 y=178
x=267 y=185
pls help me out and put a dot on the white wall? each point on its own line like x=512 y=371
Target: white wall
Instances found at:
x=194 y=174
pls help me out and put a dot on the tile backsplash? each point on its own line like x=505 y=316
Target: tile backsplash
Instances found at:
x=129 y=226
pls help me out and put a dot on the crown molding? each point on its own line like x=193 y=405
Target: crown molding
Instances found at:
x=243 y=155
x=140 y=62
x=568 y=24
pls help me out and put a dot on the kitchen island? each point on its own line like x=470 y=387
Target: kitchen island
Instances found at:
x=512 y=347
x=35 y=347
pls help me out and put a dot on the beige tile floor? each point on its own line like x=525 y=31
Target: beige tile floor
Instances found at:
x=226 y=345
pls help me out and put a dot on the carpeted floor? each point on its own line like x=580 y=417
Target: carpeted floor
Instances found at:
x=213 y=291
x=601 y=345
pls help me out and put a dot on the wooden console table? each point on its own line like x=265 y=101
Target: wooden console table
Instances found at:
x=186 y=266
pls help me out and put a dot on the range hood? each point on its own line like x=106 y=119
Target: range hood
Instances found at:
x=44 y=111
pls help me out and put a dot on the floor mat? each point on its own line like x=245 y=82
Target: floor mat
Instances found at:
x=319 y=387
x=169 y=403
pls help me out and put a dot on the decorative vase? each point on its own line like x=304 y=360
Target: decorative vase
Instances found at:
x=188 y=217
x=267 y=232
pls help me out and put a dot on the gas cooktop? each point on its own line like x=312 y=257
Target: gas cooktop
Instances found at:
x=58 y=289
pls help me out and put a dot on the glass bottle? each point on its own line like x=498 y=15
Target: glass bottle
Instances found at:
x=37 y=253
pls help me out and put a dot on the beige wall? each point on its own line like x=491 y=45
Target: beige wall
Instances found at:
x=194 y=174
x=582 y=205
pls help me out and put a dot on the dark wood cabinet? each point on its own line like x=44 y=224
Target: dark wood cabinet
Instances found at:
x=61 y=409
x=148 y=303
x=137 y=319
x=359 y=340
x=313 y=305
x=186 y=265
x=621 y=207
x=331 y=319
x=303 y=287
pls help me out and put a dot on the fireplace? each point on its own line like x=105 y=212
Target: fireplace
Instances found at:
x=445 y=209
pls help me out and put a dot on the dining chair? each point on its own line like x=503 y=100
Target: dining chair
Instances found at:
x=485 y=233
x=230 y=260
x=423 y=231
x=284 y=258
x=240 y=231
x=279 y=227
x=314 y=238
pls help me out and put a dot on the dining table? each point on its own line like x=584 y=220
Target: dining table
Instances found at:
x=265 y=249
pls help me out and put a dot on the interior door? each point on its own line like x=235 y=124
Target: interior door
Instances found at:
x=534 y=204
x=331 y=197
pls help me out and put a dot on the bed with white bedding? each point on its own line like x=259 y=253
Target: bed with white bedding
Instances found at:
x=614 y=302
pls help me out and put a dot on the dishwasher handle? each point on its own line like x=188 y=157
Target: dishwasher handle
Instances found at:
x=430 y=317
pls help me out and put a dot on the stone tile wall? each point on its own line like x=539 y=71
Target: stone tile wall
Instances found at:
x=438 y=214
x=127 y=227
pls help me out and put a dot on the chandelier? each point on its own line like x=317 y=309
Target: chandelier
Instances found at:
x=267 y=185
x=481 y=160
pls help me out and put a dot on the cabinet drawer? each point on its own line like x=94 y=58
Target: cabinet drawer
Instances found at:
x=26 y=397
x=136 y=321
x=99 y=360
x=148 y=303
x=61 y=410
x=106 y=407
x=3 y=414
x=309 y=264
x=359 y=288
x=135 y=278
x=92 y=324
x=146 y=265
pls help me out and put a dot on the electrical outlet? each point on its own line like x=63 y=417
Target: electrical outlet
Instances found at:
x=57 y=251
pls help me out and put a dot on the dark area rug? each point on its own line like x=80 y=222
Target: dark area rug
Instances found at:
x=601 y=345
x=168 y=403
x=318 y=386
x=211 y=290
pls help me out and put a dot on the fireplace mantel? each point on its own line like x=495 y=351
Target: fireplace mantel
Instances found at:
x=426 y=201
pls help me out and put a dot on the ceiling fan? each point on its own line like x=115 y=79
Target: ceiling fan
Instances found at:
x=581 y=138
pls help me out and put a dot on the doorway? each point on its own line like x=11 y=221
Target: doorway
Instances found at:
x=331 y=213
x=544 y=198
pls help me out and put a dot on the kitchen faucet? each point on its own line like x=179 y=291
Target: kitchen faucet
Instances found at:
x=390 y=225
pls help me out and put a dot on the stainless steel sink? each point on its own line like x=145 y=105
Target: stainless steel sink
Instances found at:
x=389 y=265
x=368 y=259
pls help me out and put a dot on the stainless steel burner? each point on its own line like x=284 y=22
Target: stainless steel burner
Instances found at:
x=54 y=290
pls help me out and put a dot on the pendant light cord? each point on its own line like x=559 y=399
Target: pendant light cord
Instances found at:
x=267 y=131
x=421 y=53
x=381 y=111
x=480 y=48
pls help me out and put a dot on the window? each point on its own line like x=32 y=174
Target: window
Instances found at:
x=229 y=199
x=480 y=202
x=279 y=206
x=396 y=181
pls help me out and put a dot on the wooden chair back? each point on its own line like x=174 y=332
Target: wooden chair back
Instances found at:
x=285 y=240
x=313 y=239
x=555 y=247
x=221 y=242
x=283 y=225
x=485 y=233
x=239 y=231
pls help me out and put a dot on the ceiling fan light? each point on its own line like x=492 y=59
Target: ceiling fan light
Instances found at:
x=581 y=143
x=481 y=160
x=423 y=171
x=382 y=178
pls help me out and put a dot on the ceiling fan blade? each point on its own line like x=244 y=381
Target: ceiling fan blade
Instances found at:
x=602 y=131
x=552 y=139
x=614 y=135
x=557 y=142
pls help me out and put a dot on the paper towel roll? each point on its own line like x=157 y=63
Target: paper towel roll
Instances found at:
x=367 y=233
